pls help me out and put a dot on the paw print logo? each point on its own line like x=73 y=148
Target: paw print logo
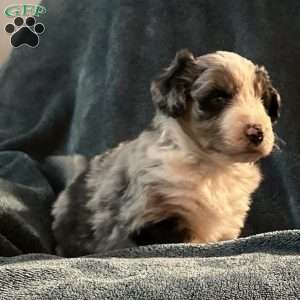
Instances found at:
x=25 y=33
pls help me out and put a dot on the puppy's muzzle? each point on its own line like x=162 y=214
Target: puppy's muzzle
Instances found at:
x=254 y=134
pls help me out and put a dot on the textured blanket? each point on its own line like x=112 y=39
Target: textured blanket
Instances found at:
x=84 y=89
x=261 y=267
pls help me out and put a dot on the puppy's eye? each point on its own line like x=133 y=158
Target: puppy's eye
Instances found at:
x=219 y=101
x=214 y=102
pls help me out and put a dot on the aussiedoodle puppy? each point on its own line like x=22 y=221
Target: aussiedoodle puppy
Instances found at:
x=190 y=175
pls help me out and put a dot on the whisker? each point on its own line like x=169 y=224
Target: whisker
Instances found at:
x=276 y=147
x=279 y=139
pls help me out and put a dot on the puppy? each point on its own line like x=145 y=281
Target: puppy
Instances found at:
x=190 y=176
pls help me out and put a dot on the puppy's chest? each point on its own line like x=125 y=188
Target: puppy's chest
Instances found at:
x=215 y=191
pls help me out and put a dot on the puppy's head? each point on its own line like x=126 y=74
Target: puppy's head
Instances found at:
x=224 y=102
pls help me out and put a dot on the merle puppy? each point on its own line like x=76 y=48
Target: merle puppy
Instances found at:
x=187 y=179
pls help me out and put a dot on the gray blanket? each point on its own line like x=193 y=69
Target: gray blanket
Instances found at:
x=262 y=267
x=85 y=89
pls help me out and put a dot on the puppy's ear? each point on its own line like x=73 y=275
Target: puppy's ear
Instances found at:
x=272 y=103
x=270 y=95
x=170 y=91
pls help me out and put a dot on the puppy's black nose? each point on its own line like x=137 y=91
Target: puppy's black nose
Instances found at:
x=254 y=134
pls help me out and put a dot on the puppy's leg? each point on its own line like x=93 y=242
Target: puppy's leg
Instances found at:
x=167 y=231
x=230 y=234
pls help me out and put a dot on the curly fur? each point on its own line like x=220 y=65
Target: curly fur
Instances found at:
x=187 y=179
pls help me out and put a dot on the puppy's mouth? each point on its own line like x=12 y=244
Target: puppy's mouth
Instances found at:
x=244 y=155
x=250 y=155
x=247 y=153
